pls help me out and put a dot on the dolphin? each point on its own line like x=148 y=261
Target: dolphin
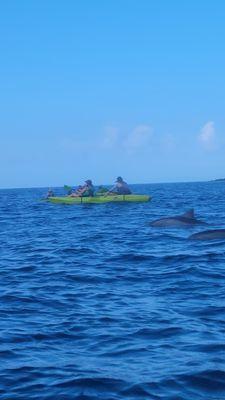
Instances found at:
x=178 y=221
x=209 y=235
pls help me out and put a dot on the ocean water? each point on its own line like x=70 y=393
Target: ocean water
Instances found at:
x=96 y=304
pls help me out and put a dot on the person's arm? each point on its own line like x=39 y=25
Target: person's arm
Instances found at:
x=81 y=190
x=78 y=192
x=111 y=190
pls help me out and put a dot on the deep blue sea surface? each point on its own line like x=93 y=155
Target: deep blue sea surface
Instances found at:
x=96 y=304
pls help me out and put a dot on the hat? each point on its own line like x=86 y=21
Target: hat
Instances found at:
x=88 y=181
x=119 y=179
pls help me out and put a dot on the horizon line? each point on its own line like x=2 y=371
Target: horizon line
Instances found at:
x=106 y=184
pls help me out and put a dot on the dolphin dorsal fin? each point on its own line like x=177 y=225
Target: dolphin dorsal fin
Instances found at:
x=189 y=214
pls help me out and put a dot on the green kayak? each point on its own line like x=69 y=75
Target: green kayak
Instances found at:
x=100 y=199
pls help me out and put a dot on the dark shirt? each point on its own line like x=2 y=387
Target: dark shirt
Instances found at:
x=121 y=188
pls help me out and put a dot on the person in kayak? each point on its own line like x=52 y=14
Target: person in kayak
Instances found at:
x=120 y=187
x=87 y=190
x=50 y=193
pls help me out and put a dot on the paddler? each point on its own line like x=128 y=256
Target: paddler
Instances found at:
x=50 y=193
x=120 y=187
x=87 y=190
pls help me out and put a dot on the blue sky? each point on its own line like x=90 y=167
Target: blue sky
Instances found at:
x=97 y=89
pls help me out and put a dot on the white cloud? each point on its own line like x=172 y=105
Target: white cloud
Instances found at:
x=110 y=138
x=138 y=138
x=207 y=136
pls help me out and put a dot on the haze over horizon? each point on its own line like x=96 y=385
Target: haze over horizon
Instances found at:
x=101 y=89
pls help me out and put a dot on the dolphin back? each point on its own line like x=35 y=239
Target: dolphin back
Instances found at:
x=209 y=235
x=189 y=214
x=183 y=220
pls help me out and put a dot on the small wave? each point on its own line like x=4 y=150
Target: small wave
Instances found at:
x=75 y=251
x=108 y=385
x=208 y=381
x=128 y=257
x=162 y=333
